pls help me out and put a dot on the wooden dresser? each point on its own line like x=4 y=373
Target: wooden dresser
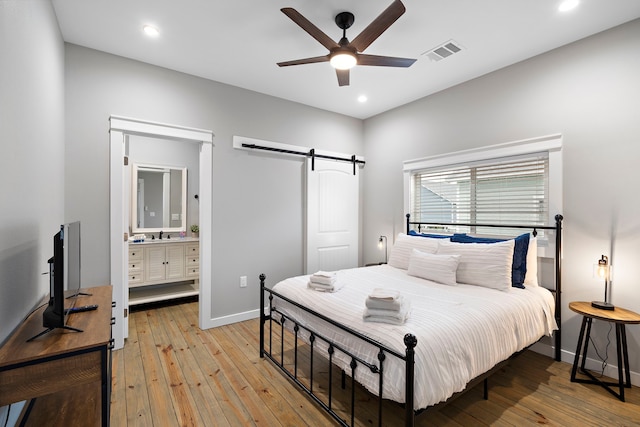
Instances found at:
x=65 y=376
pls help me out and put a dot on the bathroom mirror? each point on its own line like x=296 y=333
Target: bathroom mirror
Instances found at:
x=158 y=198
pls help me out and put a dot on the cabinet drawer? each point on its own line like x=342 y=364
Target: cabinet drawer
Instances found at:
x=135 y=254
x=193 y=261
x=135 y=266
x=193 y=249
x=135 y=278
x=193 y=271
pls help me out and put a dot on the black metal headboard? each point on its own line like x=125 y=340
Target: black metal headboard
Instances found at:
x=557 y=228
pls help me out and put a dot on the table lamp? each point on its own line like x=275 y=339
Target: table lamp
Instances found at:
x=602 y=270
x=382 y=241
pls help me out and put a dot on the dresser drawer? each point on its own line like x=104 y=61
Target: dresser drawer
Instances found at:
x=193 y=271
x=135 y=266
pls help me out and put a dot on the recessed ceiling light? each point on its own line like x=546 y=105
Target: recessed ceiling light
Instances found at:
x=151 y=31
x=567 y=5
x=362 y=98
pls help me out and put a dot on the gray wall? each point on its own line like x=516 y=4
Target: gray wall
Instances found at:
x=257 y=198
x=32 y=161
x=590 y=92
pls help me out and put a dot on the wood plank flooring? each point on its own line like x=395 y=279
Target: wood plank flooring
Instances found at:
x=171 y=373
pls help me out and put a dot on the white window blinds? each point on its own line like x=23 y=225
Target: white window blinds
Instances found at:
x=500 y=191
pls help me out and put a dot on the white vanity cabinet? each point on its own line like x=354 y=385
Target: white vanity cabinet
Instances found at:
x=164 y=262
x=162 y=270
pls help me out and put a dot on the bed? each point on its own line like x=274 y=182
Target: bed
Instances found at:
x=457 y=331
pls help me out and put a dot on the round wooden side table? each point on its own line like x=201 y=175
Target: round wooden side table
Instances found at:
x=620 y=317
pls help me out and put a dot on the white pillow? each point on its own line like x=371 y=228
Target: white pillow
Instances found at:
x=437 y=268
x=401 y=250
x=531 y=276
x=482 y=264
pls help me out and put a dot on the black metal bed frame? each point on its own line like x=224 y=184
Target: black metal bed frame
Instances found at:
x=410 y=341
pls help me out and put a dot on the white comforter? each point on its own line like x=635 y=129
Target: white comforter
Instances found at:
x=462 y=331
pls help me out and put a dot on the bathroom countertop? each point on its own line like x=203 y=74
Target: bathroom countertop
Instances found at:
x=177 y=239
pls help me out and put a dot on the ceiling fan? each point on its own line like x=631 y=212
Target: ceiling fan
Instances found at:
x=343 y=55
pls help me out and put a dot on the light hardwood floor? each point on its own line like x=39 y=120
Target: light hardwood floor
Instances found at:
x=171 y=373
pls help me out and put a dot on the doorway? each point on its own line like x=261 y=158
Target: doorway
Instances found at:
x=120 y=129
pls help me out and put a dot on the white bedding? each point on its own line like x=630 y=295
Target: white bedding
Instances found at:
x=462 y=331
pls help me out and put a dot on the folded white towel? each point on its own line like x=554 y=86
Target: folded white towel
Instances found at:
x=385 y=294
x=325 y=273
x=323 y=280
x=336 y=286
x=385 y=304
x=387 y=316
x=323 y=277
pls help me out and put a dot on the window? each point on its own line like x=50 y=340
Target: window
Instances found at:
x=509 y=191
x=503 y=184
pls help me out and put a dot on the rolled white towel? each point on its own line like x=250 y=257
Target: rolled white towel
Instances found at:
x=384 y=304
x=336 y=286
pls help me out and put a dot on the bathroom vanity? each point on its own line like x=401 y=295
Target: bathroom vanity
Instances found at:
x=163 y=269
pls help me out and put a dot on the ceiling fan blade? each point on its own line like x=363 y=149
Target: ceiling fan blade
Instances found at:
x=384 y=61
x=378 y=26
x=313 y=31
x=343 y=77
x=312 y=60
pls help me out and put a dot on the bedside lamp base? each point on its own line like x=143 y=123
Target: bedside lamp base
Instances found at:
x=603 y=305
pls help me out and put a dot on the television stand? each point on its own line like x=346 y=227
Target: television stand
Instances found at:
x=86 y=294
x=66 y=376
x=46 y=331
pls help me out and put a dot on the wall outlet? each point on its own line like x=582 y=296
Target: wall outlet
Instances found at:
x=243 y=281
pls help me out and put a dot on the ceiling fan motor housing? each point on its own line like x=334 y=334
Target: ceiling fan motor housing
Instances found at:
x=344 y=20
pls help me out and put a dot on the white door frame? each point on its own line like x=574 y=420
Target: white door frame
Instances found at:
x=119 y=129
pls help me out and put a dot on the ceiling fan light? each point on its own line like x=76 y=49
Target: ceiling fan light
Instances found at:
x=343 y=61
x=568 y=5
x=151 y=31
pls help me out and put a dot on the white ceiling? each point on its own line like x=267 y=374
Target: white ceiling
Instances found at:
x=239 y=42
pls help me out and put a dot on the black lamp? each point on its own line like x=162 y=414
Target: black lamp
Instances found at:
x=603 y=271
x=382 y=240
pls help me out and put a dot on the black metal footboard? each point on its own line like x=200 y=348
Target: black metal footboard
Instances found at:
x=273 y=314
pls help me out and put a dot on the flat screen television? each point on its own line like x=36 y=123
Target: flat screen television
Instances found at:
x=64 y=278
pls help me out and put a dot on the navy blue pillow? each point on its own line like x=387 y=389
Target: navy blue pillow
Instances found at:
x=520 y=249
x=433 y=236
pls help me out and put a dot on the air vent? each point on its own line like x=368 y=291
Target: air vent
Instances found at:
x=443 y=51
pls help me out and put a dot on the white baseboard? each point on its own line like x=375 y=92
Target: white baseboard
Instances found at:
x=232 y=318
x=593 y=365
